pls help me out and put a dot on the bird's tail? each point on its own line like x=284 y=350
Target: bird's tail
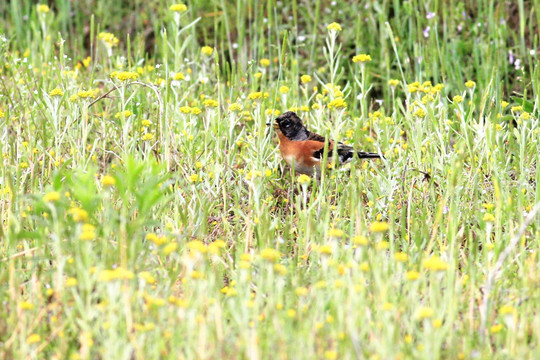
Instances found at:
x=368 y=155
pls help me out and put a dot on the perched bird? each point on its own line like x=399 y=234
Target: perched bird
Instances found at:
x=303 y=149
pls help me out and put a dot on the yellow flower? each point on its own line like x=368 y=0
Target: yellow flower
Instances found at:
x=180 y=8
x=108 y=38
x=337 y=103
x=116 y=274
x=34 y=338
x=124 y=75
x=334 y=232
x=364 y=266
x=303 y=179
x=235 y=107
x=147 y=137
x=360 y=240
x=265 y=62
x=516 y=108
x=495 y=328
x=393 y=82
x=158 y=240
x=334 y=27
x=331 y=355
x=301 y=291
x=363 y=58
x=401 y=257
x=271 y=255
x=420 y=113
x=424 y=313
x=26 y=305
x=379 y=227
x=178 y=76
x=51 y=196
x=504 y=104
x=489 y=217
x=284 y=89
x=255 y=95
x=147 y=277
x=470 y=84
x=305 y=79
x=458 y=99
x=325 y=250
x=435 y=263
x=412 y=275
x=56 y=92
x=71 y=281
x=42 y=8
x=2 y=113
x=195 y=111
x=507 y=309
x=193 y=178
x=207 y=50
x=88 y=232
x=108 y=180
x=210 y=103
x=87 y=61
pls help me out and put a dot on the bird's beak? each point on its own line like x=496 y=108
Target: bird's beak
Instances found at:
x=274 y=124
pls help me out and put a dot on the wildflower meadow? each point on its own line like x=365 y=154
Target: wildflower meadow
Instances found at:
x=147 y=213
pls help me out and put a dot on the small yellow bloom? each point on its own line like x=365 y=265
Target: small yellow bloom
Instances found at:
x=124 y=75
x=265 y=62
x=393 y=82
x=271 y=255
x=334 y=27
x=34 y=338
x=507 y=309
x=331 y=355
x=42 y=8
x=179 y=8
x=108 y=38
x=26 y=305
x=363 y=58
x=108 y=180
x=495 y=328
x=71 y=281
x=170 y=248
x=284 y=89
x=488 y=217
x=207 y=50
x=336 y=233
x=458 y=99
x=303 y=179
x=325 y=250
x=210 y=103
x=424 y=313
x=379 y=227
x=470 y=84
x=412 y=275
x=147 y=137
x=305 y=79
x=401 y=257
x=178 y=76
x=147 y=277
x=360 y=240
x=435 y=263
x=504 y=104
x=56 y=92
x=51 y=196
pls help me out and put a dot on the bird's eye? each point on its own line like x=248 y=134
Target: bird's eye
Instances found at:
x=287 y=124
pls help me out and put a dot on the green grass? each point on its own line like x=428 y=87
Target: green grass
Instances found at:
x=149 y=214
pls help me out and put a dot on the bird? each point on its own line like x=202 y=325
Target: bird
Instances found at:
x=304 y=150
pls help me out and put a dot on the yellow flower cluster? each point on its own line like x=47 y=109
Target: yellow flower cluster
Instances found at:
x=207 y=50
x=83 y=94
x=124 y=75
x=56 y=92
x=363 y=58
x=270 y=254
x=337 y=103
x=51 y=196
x=210 y=103
x=121 y=114
x=42 y=8
x=305 y=79
x=265 y=62
x=334 y=27
x=88 y=232
x=303 y=179
x=435 y=263
x=425 y=87
x=117 y=274
x=179 y=8
x=190 y=110
x=108 y=38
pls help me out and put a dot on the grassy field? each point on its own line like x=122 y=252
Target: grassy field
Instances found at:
x=146 y=212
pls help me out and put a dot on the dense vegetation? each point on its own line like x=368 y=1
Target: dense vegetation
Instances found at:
x=146 y=212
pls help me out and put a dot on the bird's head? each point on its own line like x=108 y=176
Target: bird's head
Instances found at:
x=291 y=126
